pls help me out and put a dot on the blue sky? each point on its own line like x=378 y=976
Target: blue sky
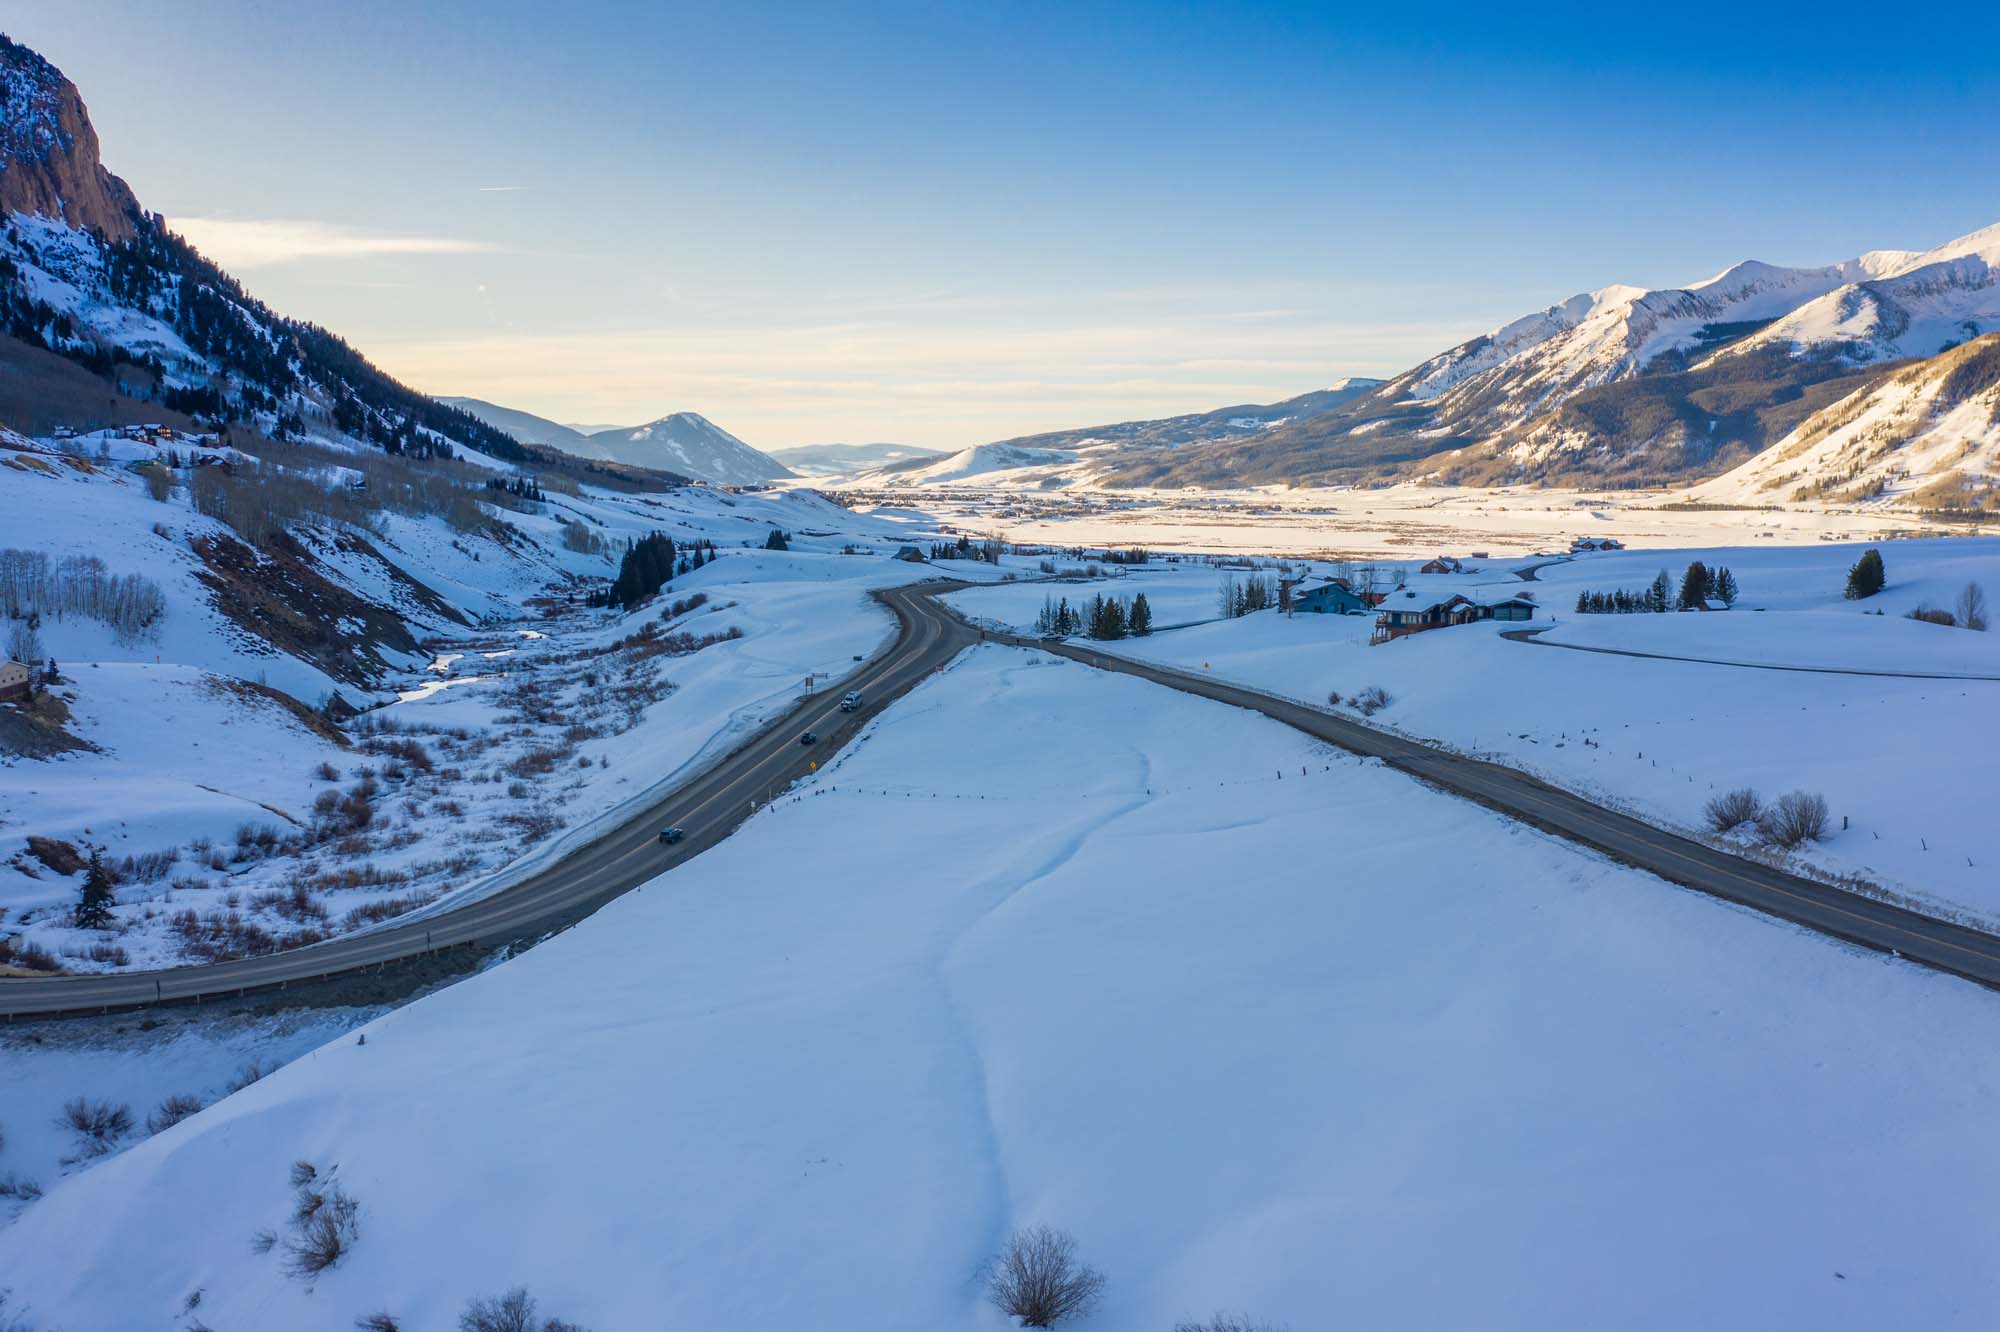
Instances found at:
x=944 y=224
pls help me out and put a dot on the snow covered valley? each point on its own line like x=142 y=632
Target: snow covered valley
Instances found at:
x=1904 y=763
x=1267 y=1028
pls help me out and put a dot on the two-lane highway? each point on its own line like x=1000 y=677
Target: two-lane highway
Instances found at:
x=711 y=805
x=1683 y=860
x=708 y=807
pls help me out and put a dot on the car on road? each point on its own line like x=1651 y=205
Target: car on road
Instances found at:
x=668 y=836
x=808 y=739
x=852 y=701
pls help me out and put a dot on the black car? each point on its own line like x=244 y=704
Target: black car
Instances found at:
x=808 y=739
x=668 y=836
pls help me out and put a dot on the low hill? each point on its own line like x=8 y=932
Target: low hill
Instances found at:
x=684 y=442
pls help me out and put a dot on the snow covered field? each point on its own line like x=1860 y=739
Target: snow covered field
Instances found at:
x=240 y=822
x=1402 y=522
x=1902 y=760
x=141 y=1063
x=1317 y=1045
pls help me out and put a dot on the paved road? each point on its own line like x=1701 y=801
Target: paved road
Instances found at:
x=1835 y=911
x=709 y=807
x=714 y=803
x=1529 y=636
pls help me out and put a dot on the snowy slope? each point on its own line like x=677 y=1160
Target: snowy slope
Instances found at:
x=1238 y=1027
x=847 y=459
x=524 y=426
x=982 y=463
x=1927 y=437
x=1919 y=305
x=686 y=443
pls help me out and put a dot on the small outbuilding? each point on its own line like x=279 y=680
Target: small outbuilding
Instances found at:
x=16 y=680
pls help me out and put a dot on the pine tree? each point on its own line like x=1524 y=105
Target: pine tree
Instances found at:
x=93 y=907
x=1660 y=596
x=1045 y=620
x=1725 y=586
x=1583 y=603
x=1694 y=587
x=1141 y=619
x=777 y=541
x=1867 y=577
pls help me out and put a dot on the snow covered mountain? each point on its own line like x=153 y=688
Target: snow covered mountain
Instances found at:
x=524 y=426
x=1224 y=423
x=48 y=150
x=1927 y=437
x=90 y=277
x=1912 y=305
x=687 y=443
x=1628 y=385
x=848 y=459
x=981 y=462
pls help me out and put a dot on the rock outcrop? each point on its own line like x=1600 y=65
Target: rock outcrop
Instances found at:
x=48 y=150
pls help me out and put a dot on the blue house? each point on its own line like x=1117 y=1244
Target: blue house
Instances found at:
x=1330 y=598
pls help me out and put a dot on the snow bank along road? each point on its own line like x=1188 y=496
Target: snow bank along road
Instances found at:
x=709 y=807
x=1835 y=911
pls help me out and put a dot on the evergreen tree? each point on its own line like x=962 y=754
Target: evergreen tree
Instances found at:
x=1660 y=596
x=1867 y=577
x=1140 y=621
x=93 y=908
x=777 y=541
x=1725 y=586
x=1065 y=618
x=1583 y=606
x=1695 y=587
x=1107 y=618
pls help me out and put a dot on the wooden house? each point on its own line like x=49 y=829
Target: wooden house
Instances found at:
x=15 y=680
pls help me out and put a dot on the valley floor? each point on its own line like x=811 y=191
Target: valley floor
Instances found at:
x=1266 y=1027
x=1899 y=760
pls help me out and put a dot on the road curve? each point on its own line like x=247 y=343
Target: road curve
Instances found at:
x=709 y=807
x=1846 y=915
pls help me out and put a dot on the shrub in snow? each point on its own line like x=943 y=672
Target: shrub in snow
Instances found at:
x=1370 y=700
x=325 y=1222
x=1930 y=614
x=1223 y=1322
x=1333 y=698
x=377 y=1322
x=171 y=1112
x=512 y=1312
x=1733 y=809
x=1036 y=1278
x=1794 y=818
x=97 y=1124
x=13 y=1186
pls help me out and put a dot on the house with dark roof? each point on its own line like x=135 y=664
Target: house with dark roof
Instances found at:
x=1408 y=611
x=1332 y=597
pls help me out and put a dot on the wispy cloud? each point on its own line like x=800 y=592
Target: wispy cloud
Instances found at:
x=237 y=242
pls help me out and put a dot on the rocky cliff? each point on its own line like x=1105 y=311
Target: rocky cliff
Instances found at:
x=48 y=150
